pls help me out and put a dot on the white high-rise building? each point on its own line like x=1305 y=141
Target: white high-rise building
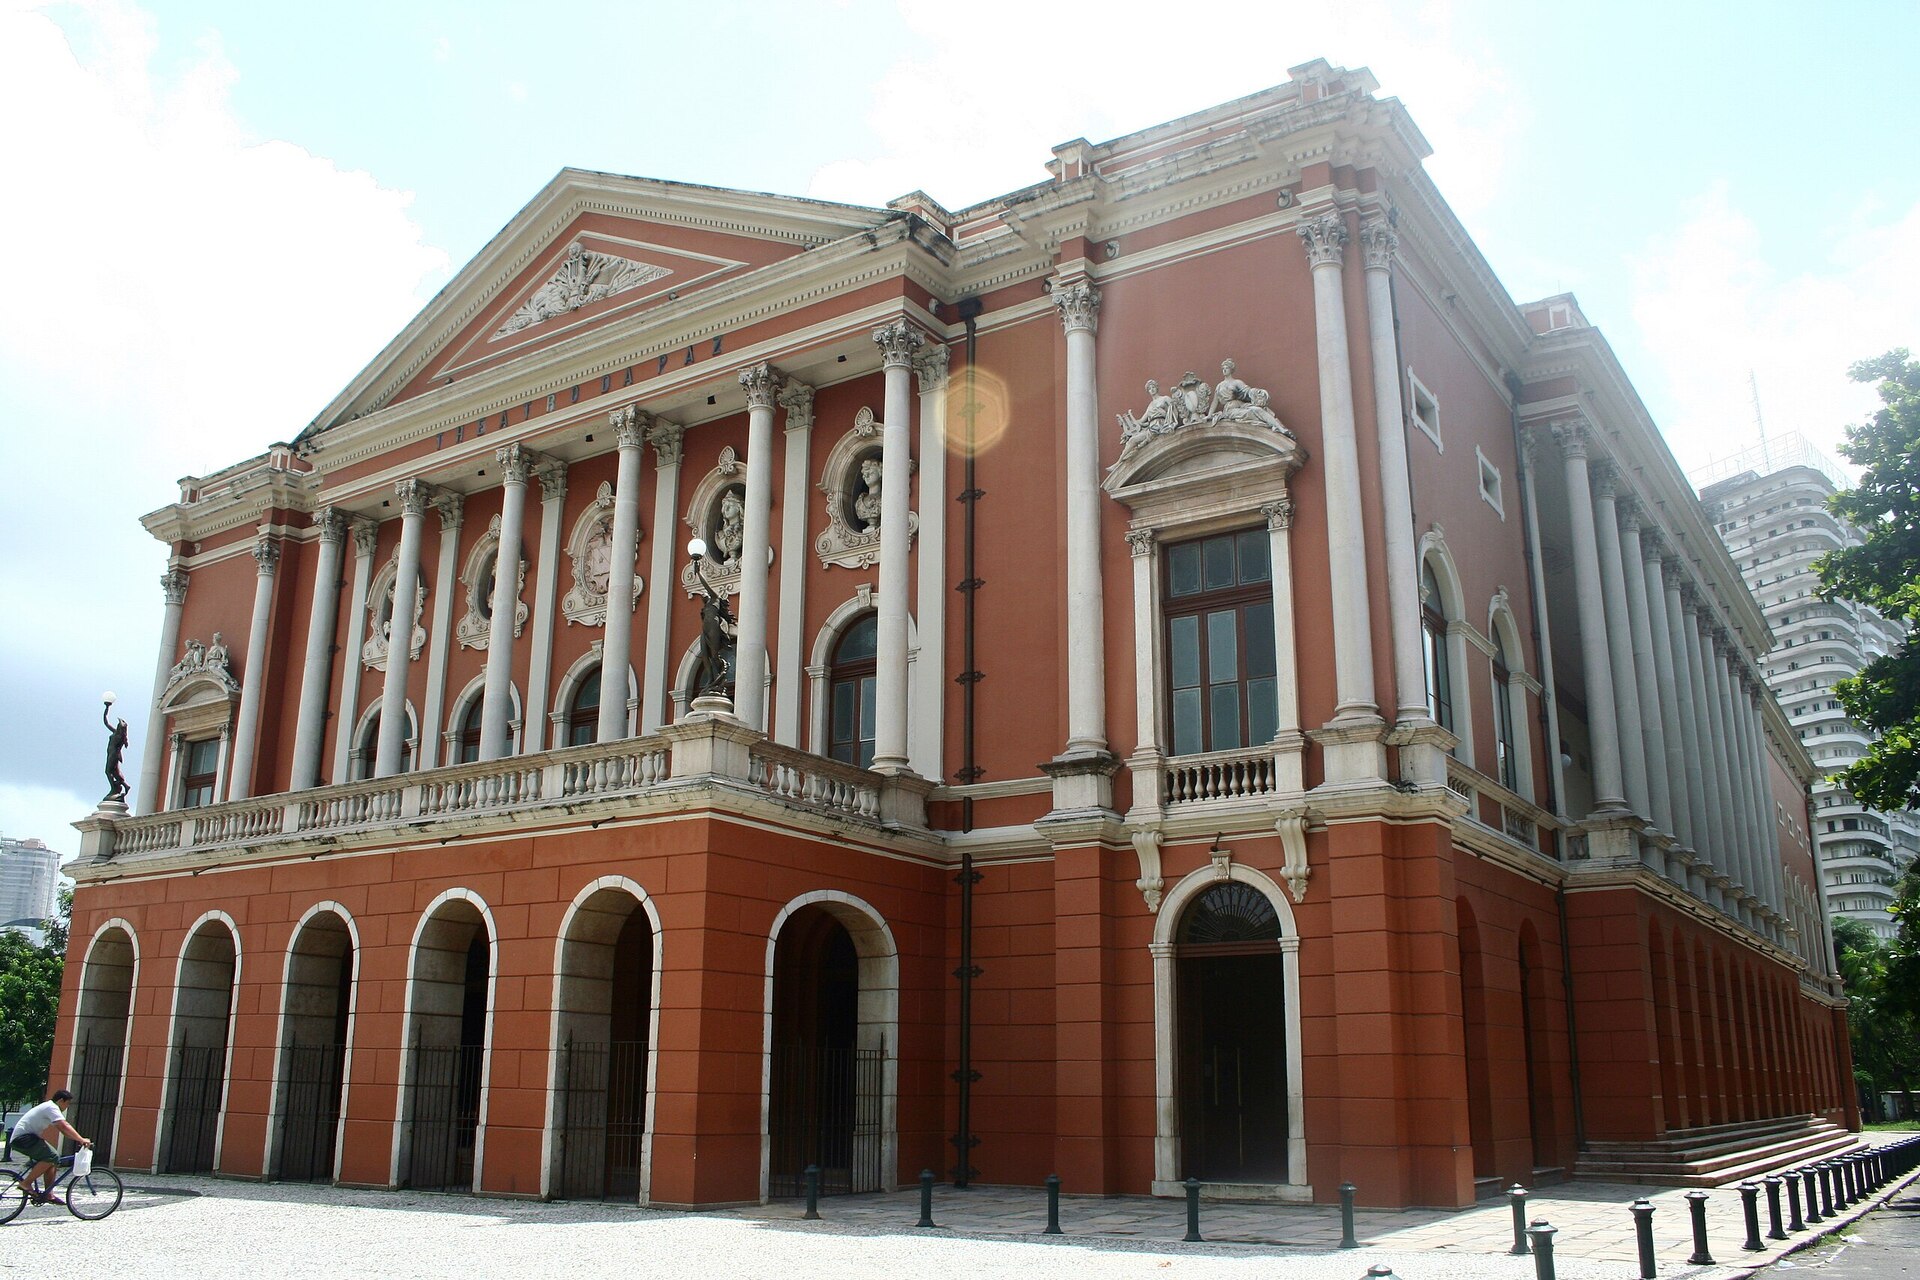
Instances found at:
x=1769 y=504
x=29 y=881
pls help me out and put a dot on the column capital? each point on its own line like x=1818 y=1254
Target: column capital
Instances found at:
x=1078 y=303
x=366 y=536
x=1378 y=242
x=516 y=462
x=331 y=524
x=898 y=343
x=414 y=495
x=553 y=480
x=666 y=437
x=1279 y=513
x=931 y=366
x=173 y=584
x=629 y=425
x=266 y=551
x=451 y=508
x=1325 y=239
x=762 y=382
x=1571 y=436
x=797 y=399
x=1141 y=541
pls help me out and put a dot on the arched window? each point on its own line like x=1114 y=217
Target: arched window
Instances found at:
x=1220 y=657
x=583 y=713
x=467 y=750
x=851 y=692
x=1506 y=748
x=1433 y=632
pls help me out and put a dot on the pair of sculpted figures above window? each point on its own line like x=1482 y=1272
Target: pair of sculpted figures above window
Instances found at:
x=1192 y=403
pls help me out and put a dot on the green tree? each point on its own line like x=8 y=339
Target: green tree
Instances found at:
x=1884 y=572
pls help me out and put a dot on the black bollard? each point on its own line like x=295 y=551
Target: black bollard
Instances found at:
x=1794 y=1222
x=1697 y=1208
x=1825 y=1169
x=813 y=1192
x=926 y=1200
x=1810 y=1182
x=1193 y=1211
x=1517 y=1197
x=1541 y=1235
x=1750 y=1202
x=1053 y=1205
x=1774 y=1230
x=1347 y=1240
x=1643 y=1235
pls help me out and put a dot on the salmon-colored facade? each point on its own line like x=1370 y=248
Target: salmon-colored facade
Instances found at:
x=1265 y=790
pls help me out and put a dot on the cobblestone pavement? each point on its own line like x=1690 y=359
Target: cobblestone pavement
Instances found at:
x=243 y=1229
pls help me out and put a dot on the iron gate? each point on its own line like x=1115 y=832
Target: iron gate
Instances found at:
x=96 y=1093
x=443 y=1115
x=310 y=1112
x=826 y=1110
x=602 y=1119
x=199 y=1082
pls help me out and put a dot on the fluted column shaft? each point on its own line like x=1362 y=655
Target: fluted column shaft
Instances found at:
x=1666 y=676
x=366 y=537
x=1378 y=243
x=174 y=584
x=1325 y=238
x=899 y=343
x=266 y=553
x=1646 y=670
x=1603 y=733
x=756 y=535
x=666 y=438
x=496 y=708
x=310 y=728
x=1079 y=305
x=616 y=648
x=414 y=496
x=1626 y=690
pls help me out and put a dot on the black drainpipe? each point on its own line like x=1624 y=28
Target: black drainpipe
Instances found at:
x=964 y=1075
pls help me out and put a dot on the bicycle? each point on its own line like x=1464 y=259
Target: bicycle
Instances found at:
x=90 y=1197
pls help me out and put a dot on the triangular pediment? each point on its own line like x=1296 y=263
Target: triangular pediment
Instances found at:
x=591 y=249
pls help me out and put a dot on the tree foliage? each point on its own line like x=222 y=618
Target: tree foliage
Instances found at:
x=1884 y=573
x=29 y=1003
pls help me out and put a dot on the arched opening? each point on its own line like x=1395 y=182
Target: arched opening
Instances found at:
x=850 y=726
x=1533 y=1030
x=197 y=1068
x=1673 y=1102
x=1473 y=1014
x=1232 y=1037
x=100 y=1036
x=603 y=1034
x=315 y=1019
x=833 y=1010
x=449 y=999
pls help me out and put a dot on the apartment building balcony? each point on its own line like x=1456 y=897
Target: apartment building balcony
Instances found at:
x=706 y=759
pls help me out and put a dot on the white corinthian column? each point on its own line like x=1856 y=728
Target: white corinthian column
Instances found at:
x=762 y=383
x=898 y=343
x=310 y=729
x=415 y=496
x=247 y=730
x=496 y=705
x=174 y=583
x=1079 y=305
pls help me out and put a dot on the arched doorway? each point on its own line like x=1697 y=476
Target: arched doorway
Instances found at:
x=832 y=1016
x=449 y=1003
x=316 y=1016
x=100 y=1025
x=1232 y=1041
x=197 y=1063
x=605 y=988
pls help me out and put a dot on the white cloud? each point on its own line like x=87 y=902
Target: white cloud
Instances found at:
x=180 y=294
x=973 y=114
x=1711 y=309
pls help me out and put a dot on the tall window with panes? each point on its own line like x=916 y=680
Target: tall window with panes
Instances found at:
x=1221 y=687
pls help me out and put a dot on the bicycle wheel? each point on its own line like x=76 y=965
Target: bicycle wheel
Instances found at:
x=13 y=1197
x=94 y=1196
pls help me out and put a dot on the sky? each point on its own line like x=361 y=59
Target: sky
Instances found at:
x=217 y=212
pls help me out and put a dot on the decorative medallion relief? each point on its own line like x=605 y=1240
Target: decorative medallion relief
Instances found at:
x=717 y=513
x=851 y=481
x=591 y=551
x=380 y=617
x=1191 y=403
x=585 y=277
x=476 y=626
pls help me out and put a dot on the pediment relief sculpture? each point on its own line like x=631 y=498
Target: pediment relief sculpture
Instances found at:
x=591 y=551
x=852 y=480
x=587 y=276
x=1191 y=403
x=208 y=662
x=717 y=513
x=380 y=617
x=475 y=627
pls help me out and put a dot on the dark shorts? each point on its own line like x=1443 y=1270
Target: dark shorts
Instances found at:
x=33 y=1148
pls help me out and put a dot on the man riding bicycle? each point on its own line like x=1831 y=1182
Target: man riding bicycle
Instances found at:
x=33 y=1136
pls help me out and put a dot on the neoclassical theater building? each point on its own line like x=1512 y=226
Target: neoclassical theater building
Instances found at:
x=1210 y=687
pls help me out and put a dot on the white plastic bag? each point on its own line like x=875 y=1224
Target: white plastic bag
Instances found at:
x=83 y=1162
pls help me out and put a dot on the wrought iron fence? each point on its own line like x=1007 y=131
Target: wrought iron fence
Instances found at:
x=826 y=1110
x=602 y=1119
x=199 y=1084
x=309 y=1112
x=443 y=1115
x=96 y=1092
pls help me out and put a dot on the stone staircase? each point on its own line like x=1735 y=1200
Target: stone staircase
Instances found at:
x=1714 y=1155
